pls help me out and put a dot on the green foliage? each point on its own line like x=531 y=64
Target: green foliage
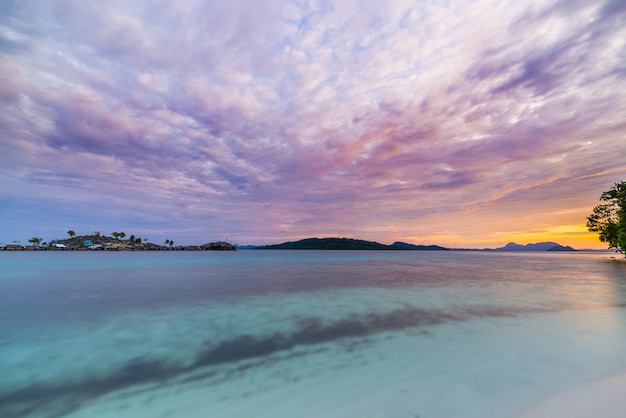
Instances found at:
x=329 y=244
x=35 y=240
x=346 y=244
x=221 y=246
x=609 y=219
x=71 y=233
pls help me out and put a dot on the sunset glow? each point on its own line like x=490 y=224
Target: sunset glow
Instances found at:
x=464 y=124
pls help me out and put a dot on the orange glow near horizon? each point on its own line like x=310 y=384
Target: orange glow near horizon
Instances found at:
x=575 y=236
x=575 y=239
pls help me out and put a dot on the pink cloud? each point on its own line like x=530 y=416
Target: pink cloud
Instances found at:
x=352 y=118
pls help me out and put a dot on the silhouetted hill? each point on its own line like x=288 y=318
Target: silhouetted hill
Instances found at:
x=562 y=248
x=540 y=246
x=219 y=246
x=344 y=244
x=404 y=246
x=327 y=244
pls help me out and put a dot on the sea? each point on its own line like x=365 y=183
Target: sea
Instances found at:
x=279 y=333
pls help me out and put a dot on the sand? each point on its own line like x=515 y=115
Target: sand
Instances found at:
x=601 y=399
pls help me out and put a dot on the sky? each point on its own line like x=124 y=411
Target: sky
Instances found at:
x=457 y=123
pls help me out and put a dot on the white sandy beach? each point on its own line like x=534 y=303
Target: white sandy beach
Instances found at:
x=602 y=399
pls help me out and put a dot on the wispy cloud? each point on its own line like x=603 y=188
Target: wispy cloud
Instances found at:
x=266 y=120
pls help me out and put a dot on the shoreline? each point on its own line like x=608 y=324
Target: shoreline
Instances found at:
x=602 y=398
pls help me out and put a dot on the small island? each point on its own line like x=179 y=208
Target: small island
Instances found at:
x=540 y=246
x=344 y=244
x=117 y=241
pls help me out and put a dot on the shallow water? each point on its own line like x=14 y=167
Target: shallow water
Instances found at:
x=304 y=333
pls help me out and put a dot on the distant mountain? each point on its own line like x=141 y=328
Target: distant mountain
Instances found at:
x=219 y=246
x=540 y=246
x=404 y=246
x=562 y=248
x=327 y=244
x=357 y=244
x=344 y=244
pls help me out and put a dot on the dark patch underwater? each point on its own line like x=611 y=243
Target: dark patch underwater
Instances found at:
x=65 y=397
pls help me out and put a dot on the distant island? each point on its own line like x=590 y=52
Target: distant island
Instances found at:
x=115 y=242
x=342 y=244
x=357 y=244
x=118 y=242
x=540 y=246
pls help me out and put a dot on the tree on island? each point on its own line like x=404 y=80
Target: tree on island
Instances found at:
x=220 y=246
x=71 y=233
x=609 y=219
x=118 y=235
x=35 y=240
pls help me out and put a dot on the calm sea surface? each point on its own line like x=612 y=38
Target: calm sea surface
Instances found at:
x=304 y=333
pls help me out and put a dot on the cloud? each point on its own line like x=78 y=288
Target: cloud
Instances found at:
x=310 y=116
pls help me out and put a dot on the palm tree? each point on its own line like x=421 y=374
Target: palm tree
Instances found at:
x=71 y=233
x=115 y=234
x=122 y=235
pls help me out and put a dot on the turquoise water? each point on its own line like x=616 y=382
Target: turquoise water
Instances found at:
x=304 y=333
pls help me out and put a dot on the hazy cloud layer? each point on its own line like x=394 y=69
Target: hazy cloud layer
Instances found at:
x=259 y=121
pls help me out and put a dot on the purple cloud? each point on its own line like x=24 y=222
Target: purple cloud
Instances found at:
x=271 y=120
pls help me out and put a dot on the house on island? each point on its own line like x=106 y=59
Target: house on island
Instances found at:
x=12 y=247
x=114 y=246
x=87 y=242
